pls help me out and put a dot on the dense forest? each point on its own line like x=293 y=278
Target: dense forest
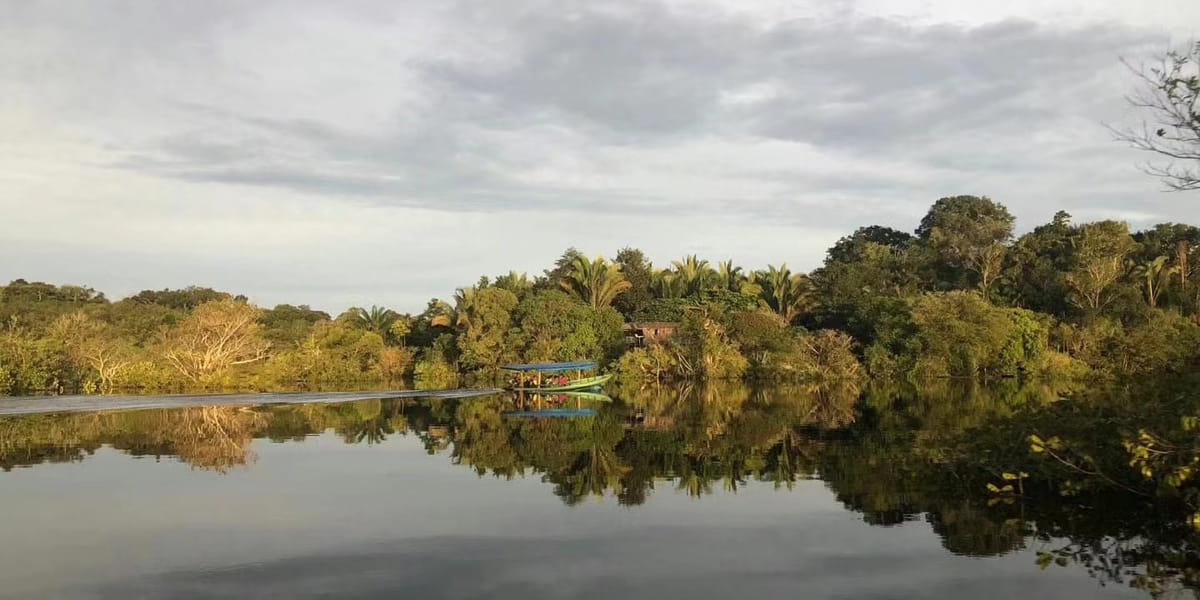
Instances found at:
x=959 y=297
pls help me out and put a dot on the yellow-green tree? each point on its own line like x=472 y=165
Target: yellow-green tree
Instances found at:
x=483 y=325
x=1098 y=262
x=1155 y=276
x=788 y=294
x=93 y=344
x=216 y=336
x=596 y=282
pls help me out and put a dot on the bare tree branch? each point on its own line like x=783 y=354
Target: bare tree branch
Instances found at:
x=1168 y=92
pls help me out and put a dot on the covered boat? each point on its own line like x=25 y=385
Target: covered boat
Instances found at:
x=552 y=377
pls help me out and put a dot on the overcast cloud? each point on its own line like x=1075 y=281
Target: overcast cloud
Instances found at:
x=385 y=152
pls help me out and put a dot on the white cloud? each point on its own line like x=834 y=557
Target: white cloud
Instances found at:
x=383 y=153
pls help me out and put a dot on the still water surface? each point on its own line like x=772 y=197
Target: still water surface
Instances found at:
x=673 y=494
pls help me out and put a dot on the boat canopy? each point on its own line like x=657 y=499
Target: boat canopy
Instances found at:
x=550 y=367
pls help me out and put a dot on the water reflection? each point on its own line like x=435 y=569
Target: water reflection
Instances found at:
x=889 y=452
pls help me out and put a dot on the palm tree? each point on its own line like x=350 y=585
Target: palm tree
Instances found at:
x=786 y=293
x=1156 y=276
x=596 y=282
x=695 y=274
x=666 y=284
x=732 y=277
x=377 y=319
x=517 y=283
x=458 y=315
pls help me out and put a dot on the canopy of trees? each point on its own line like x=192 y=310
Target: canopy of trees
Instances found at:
x=959 y=297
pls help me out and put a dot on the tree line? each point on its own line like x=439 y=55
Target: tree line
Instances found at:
x=961 y=296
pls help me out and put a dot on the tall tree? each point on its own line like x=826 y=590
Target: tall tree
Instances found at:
x=786 y=293
x=484 y=323
x=94 y=344
x=286 y=326
x=731 y=277
x=1036 y=265
x=216 y=336
x=667 y=284
x=694 y=274
x=376 y=318
x=968 y=234
x=1098 y=262
x=850 y=248
x=640 y=274
x=596 y=282
x=562 y=268
x=1154 y=275
x=517 y=283
x=1168 y=94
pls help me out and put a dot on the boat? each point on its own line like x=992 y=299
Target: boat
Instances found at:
x=535 y=383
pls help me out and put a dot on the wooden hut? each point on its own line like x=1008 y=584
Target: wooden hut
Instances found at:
x=640 y=334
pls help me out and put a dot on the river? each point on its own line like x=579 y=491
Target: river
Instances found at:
x=674 y=492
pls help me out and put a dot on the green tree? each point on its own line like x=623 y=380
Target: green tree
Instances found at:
x=850 y=249
x=517 y=283
x=705 y=350
x=1098 y=262
x=561 y=270
x=377 y=319
x=694 y=275
x=484 y=325
x=640 y=274
x=785 y=293
x=94 y=344
x=731 y=277
x=1155 y=275
x=596 y=282
x=185 y=299
x=1037 y=264
x=286 y=326
x=969 y=235
x=552 y=326
x=960 y=333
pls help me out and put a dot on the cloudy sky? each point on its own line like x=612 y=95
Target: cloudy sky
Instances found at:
x=383 y=152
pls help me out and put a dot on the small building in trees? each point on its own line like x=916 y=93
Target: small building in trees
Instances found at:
x=640 y=334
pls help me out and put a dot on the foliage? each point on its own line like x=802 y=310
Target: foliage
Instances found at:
x=1169 y=94
x=968 y=234
x=655 y=363
x=786 y=293
x=95 y=345
x=286 y=326
x=958 y=298
x=216 y=336
x=484 y=322
x=826 y=356
x=705 y=350
x=961 y=335
x=640 y=274
x=552 y=326
x=596 y=282
x=1098 y=262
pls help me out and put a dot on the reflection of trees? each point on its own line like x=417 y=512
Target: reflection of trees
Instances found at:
x=892 y=453
x=205 y=437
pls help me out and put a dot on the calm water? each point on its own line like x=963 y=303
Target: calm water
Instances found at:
x=669 y=493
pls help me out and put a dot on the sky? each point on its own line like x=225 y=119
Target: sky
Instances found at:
x=381 y=152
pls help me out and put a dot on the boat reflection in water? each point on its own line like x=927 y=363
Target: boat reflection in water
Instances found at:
x=558 y=404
